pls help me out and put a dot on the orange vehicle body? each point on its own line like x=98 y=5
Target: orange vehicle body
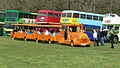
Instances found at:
x=18 y=35
x=31 y=36
x=64 y=36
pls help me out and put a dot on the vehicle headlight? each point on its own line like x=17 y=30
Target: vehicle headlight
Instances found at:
x=83 y=36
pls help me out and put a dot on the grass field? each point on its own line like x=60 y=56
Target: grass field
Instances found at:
x=21 y=54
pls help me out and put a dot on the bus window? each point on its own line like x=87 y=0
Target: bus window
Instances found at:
x=112 y=15
x=95 y=17
x=11 y=14
x=56 y=15
x=21 y=15
x=83 y=16
x=42 y=14
x=34 y=16
x=64 y=15
x=69 y=14
x=110 y=27
x=26 y=15
x=59 y=15
x=88 y=29
x=50 y=15
x=89 y=17
x=117 y=28
x=1 y=14
x=100 y=18
x=30 y=16
x=75 y=15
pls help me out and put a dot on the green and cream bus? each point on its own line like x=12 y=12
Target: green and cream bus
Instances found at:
x=14 y=16
x=2 y=23
x=112 y=23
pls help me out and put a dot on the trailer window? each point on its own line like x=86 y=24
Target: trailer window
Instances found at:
x=73 y=29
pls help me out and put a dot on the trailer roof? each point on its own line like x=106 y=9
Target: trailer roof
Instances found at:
x=35 y=25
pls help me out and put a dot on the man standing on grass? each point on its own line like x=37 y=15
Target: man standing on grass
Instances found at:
x=102 y=37
x=95 y=36
x=112 y=40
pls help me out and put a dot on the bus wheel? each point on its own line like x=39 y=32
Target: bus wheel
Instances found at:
x=115 y=39
x=49 y=41
x=72 y=43
x=37 y=41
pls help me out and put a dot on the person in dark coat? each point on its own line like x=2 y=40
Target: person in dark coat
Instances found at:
x=98 y=36
x=112 y=40
x=101 y=33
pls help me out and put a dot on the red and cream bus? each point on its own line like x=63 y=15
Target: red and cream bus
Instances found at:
x=48 y=17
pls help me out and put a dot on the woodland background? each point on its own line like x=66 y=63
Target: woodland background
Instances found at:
x=94 y=6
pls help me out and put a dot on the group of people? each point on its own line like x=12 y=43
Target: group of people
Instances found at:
x=47 y=31
x=99 y=36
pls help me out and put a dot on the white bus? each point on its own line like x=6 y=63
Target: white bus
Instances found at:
x=112 y=23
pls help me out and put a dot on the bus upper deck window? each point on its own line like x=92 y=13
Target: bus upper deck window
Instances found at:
x=95 y=17
x=89 y=17
x=69 y=14
x=59 y=15
x=64 y=15
x=11 y=14
x=55 y=15
x=83 y=16
x=1 y=14
x=50 y=15
x=112 y=15
x=75 y=15
x=42 y=14
x=100 y=18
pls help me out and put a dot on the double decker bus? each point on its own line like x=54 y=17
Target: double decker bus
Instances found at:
x=2 y=14
x=112 y=23
x=14 y=16
x=48 y=17
x=90 y=20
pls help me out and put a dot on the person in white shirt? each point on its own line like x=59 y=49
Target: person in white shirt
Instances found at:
x=95 y=36
x=46 y=32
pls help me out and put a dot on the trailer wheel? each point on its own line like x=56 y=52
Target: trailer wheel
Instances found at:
x=13 y=38
x=87 y=45
x=37 y=41
x=49 y=41
x=72 y=43
x=25 y=39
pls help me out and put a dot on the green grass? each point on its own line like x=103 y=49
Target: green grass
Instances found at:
x=21 y=54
